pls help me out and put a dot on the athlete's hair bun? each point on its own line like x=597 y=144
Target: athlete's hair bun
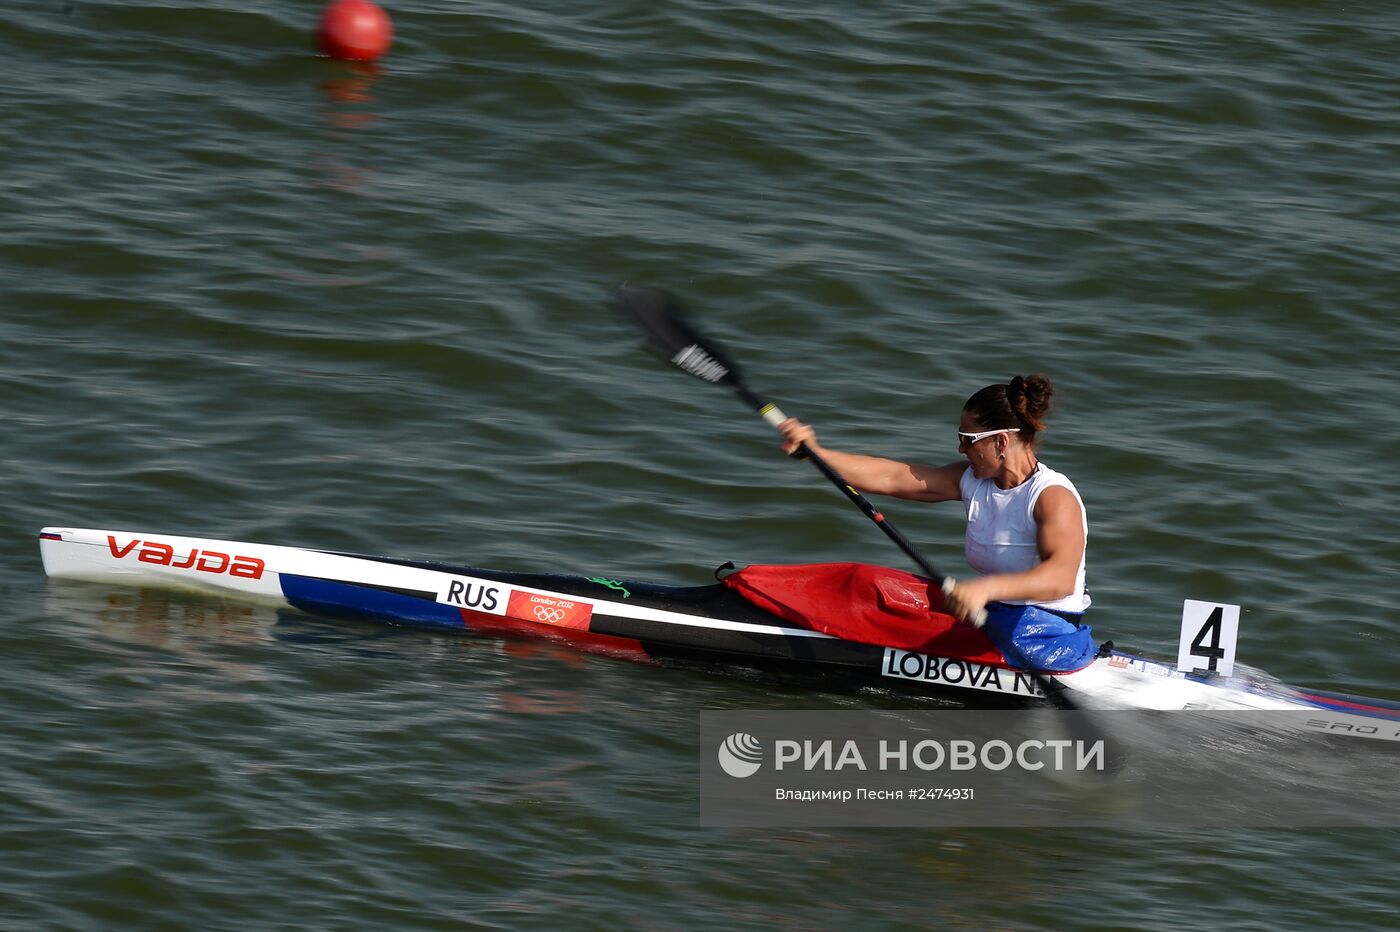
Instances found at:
x=1021 y=403
x=1030 y=398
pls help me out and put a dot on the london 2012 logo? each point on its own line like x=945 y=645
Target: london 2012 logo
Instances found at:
x=740 y=755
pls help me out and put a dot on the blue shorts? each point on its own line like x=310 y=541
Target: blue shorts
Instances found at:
x=1044 y=639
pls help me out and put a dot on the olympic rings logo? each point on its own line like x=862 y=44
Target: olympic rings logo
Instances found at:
x=551 y=615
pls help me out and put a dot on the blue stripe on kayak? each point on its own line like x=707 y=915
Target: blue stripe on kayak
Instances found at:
x=1353 y=704
x=348 y=600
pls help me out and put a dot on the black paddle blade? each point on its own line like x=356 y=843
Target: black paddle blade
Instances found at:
x=662 y=321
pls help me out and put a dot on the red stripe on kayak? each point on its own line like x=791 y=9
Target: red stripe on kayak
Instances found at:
x=1343 y=703
x=577 y=638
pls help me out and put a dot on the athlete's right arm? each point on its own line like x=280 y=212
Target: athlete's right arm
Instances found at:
x=878 y=475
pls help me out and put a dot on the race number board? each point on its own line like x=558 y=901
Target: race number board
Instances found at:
x=1208 y=633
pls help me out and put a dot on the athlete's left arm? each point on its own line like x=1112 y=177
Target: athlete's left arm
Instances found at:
x=1060 y=540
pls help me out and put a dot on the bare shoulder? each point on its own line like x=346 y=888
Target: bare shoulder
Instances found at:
x=1057 y=503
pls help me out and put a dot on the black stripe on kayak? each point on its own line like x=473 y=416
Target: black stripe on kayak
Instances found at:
x=709 y=601
x=739 y=643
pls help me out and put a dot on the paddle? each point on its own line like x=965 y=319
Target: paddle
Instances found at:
x=661 y=320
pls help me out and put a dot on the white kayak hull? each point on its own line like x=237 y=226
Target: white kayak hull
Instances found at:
x=646 y=622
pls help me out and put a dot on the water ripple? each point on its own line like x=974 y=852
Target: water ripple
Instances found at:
x=255 y=294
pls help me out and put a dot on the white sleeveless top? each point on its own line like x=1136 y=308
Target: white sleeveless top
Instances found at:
x=1001 y=530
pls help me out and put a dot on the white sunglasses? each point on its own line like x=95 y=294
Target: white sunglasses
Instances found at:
x=970 y=439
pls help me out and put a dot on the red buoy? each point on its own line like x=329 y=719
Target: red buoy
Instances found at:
x=357 y=30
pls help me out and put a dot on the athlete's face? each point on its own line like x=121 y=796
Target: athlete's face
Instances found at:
x=985 y=449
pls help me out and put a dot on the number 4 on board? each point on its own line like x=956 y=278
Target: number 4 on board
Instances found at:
x=1208 y=632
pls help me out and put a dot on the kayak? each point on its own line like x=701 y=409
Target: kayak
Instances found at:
x=651 y=622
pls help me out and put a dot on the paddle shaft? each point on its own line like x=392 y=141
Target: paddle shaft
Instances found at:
x=774 y=416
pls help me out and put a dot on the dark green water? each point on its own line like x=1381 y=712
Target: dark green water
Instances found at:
x=252 y=294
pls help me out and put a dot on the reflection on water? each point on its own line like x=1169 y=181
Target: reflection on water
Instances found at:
x=355 y=258
x=349 y=95
x=348 y=105
x=199 y=628
x=159 y=617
